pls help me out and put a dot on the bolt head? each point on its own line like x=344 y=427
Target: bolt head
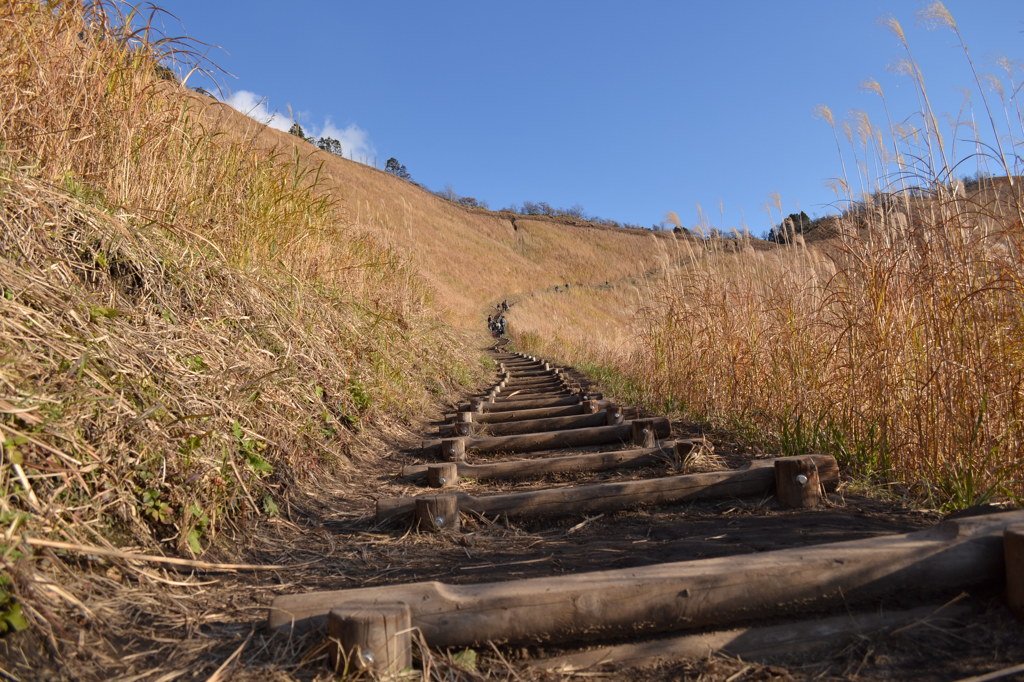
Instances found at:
x=801 y=479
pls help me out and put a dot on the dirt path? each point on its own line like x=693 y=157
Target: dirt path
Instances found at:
x=207 y=623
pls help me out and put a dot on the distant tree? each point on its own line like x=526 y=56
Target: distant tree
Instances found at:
x=575 y=211
x=297 y=131
x=397 y=169
x=329 y=144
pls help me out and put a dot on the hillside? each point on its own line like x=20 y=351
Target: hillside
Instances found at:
x=470 y=257
x=216 y=341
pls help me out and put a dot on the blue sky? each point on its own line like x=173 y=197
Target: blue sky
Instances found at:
x=629 y=109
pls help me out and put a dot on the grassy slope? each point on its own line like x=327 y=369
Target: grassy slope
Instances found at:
x=201 y=318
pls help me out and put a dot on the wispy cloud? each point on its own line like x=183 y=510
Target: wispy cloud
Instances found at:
x=355 y=142
x=254 y=106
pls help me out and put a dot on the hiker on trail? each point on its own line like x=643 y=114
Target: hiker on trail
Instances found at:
x=490 y=322
x=504 y=304
x=501 y=324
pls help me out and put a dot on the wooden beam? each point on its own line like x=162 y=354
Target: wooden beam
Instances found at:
x=530 y=442
x=797 y=485
x=756 y=479
x=548 y=424
x=531 y=403
x=685 y=595
x=537 y=413
x=766 y=643
x=375 y=637
x=593 y=435
x=534 y=468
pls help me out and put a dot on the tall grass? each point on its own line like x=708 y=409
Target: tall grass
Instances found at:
x=898 y=345
x=193 y=331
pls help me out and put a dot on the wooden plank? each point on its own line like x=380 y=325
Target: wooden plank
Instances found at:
x=530 y=403
x=548 y=440
x=766 y=643
x=548 y=424
x=533 y=468
x=756 y=479
x=685 y=595
x=537 y=413
x=531 y=442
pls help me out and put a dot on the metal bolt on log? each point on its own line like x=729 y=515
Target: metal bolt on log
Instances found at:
x=463 y=428
x=371 y=637
x=643 y=433
x=614 y=415
x=592 y=407
x=438 y=513
x=797 y=485
x=444 y=475
x=453 y=449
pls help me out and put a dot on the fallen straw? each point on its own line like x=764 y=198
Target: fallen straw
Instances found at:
x=173 y=561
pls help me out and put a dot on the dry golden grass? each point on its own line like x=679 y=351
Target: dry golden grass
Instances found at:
x=898 y=345
x=192 y=330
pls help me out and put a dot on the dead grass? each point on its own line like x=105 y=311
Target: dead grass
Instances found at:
x=192 y=333
x=896 y=345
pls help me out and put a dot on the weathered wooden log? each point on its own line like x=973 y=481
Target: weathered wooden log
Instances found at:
x=445 y=475
x=544 y=385
x=476 y=405
x=371 y=637
x=765 y=644
x=532 y=403
x=686 y=595
x=462 y=429
x=615 y=416
x=1013 y=547
x=453 y=449
x=642 y=433
x=757 y=478
x=539 y=412
x=530 y=392
x=534 y=468
x=593 y=435
x=532 y=373
x=438 y=512
x=796 y=483
x=548 y=424
x=464 y=416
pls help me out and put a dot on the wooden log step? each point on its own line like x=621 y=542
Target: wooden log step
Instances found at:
x=580 y=419
x=479 y=405
x=513 y=384
x=531 y=393
x=765 y=644
x=534 y=468
x=549 y=440
x=537 y=413
x=549 y=424
x=513 y=393
x=685 y=595
x=531 y=403
x=758 y=478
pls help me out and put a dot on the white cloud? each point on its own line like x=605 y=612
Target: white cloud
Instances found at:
x=355 y=142
x=255 y=107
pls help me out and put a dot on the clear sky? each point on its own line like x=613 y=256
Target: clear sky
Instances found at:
x=629 y=109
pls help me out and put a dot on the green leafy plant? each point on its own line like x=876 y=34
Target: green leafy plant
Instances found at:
x=251 y=448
